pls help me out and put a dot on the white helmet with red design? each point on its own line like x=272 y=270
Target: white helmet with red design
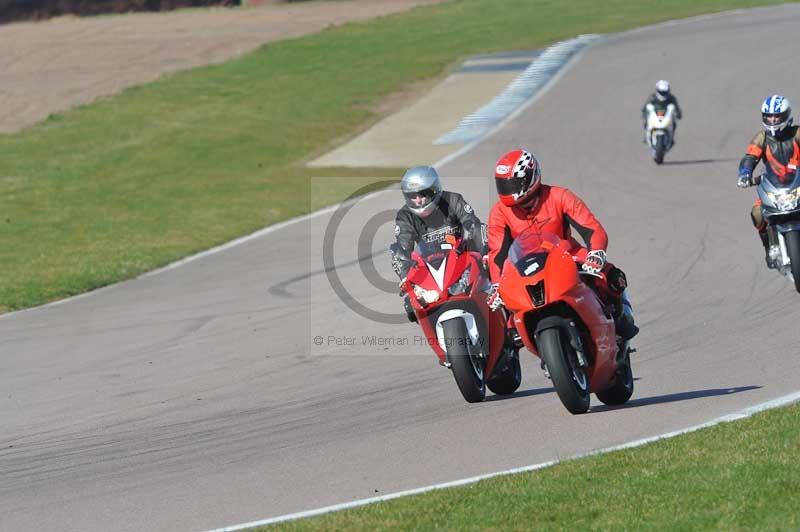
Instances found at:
x=518 y=177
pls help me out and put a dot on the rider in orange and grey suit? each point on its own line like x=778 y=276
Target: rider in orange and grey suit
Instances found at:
x=778 y=145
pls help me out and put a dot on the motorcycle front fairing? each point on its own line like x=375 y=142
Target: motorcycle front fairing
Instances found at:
x=780 y=200
x=539 y=278
x=449 y=284
x=659 y=125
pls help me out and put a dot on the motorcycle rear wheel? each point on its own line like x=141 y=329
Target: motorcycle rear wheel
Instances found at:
x=622 y=390
x=467 y=367
x=570 y=380
x=792 y=239
x=508 y=381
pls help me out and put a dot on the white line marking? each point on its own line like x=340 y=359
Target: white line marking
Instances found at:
x=212 y=251
x=742 y=414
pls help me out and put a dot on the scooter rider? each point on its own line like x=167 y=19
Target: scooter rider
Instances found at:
x=777 y=145
x=524 y=203
x=430 y=214
x=660 y=100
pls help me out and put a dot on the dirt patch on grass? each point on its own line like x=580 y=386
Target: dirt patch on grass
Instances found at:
x=14 y=10
x=53 y=65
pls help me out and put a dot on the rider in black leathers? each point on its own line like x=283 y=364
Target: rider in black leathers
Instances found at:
x=429 y=215
x=660 y=99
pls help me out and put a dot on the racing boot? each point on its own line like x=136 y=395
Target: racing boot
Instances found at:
x=623 y=318
x=409 y=309
x=513 y=337
x=765 y=242
x=510 y=352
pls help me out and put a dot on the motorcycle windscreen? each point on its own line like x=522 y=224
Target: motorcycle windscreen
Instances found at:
x=435 y=252
x=779 y=193
x=789 y=181
x=528 y=253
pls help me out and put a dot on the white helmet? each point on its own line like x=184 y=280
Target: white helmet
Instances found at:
x=776 y=114
x=422 y=189
x=662 y=89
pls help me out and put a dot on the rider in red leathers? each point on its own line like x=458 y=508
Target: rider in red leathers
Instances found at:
x=525 y=202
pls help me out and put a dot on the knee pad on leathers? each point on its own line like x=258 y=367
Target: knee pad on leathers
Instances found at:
x=757 y=218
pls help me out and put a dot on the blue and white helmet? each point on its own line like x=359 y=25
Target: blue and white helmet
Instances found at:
x=776 y=114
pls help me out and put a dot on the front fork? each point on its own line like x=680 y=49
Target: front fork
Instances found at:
x=777 y=243
x=777 y=247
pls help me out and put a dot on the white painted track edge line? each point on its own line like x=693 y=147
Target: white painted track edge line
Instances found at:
x=286 y=223
x=212 y=251
x=727 y=418
x=440 y=163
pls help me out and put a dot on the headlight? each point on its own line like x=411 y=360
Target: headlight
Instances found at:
x=426 y=296
x=785 y=201
x=460 y=286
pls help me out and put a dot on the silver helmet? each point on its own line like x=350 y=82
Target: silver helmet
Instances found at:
x=422 y=189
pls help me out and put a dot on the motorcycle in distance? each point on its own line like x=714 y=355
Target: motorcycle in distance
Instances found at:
x=561 y=319
x=660 y=126
x=780 y=207
x=447 y=288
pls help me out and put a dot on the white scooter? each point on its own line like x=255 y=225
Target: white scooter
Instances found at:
x=660 y=131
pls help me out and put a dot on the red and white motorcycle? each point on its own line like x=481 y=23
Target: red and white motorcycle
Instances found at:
x=447 y=288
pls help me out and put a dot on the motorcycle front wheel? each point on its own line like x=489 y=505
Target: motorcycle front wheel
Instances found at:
x=659 y=155
x=467 y=366
x=569 y=379
x=792 y=239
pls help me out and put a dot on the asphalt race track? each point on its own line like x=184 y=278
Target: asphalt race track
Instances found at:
x=196 y=398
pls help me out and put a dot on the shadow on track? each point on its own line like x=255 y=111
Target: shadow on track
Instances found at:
x=524 y=393
x=699 y=161
x=675 y=397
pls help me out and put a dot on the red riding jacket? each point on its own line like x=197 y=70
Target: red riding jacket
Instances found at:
x=557 y=211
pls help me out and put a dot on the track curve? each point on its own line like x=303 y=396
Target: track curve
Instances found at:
x=196 y=398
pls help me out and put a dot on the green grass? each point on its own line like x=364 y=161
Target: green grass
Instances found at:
x=107 y=191
x=735 y=476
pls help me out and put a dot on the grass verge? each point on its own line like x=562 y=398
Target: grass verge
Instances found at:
x=734 y=476
x=110 y=190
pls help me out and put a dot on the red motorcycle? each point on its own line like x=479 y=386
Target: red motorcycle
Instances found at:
x=447 y=288
x=563 y=321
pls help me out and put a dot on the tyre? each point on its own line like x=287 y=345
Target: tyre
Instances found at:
x=508 y=380
x=570 y=380
x=622 y=389
x=792 y=239
x=467 y=368
x=659 y=155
